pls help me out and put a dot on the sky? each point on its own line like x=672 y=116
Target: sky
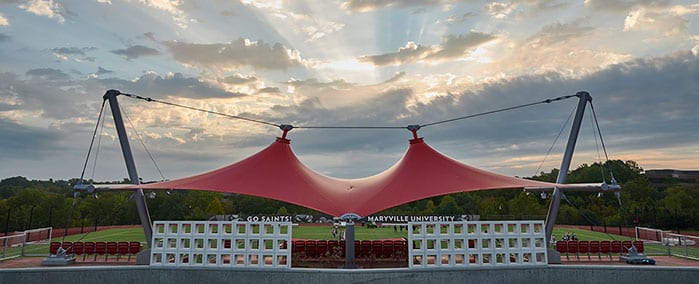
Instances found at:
x=344 y=63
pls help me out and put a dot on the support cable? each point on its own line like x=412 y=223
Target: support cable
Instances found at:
x=148 y=99
x=599 y=156
x=351 y=127
x=200 y=109
x=97 y=150
x=546 y=101
x=94 y=133
x=604 y=148
x=140 y=139
x=560 y=132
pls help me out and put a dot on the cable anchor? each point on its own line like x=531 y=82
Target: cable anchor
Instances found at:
x=285 y=128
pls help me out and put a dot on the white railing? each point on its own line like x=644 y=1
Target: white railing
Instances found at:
x=221 y=244
x=462 y=244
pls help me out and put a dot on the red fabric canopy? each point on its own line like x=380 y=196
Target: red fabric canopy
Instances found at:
x=276 y=173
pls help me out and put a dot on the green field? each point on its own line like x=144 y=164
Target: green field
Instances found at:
x=324 y=233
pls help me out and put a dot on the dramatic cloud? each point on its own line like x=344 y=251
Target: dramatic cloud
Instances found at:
x=25 y=142
x=45 y=8
x=500 y=10
x=48 y=74
x=78 y=54
x=172 y=7
x=371 y=5
x=522 y=8
x=624 y=5
x=236 y=54
x=559 y=47
x=664 y=22
x=136 y=51
x=171 y=85
x=458 y=46
x=101 y=71
x=365 y=63
x=238 y=79
x=452 y=47
x=460 y=19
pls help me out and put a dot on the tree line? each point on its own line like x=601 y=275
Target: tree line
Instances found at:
x=666 y=204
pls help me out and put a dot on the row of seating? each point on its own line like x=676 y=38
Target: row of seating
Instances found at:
x=95 y=249
x=362 y=249
x=599 y=248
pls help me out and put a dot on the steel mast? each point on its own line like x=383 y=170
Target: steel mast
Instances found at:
x=139 y=197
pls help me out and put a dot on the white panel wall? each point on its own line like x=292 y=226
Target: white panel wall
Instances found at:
x=221 y=244
x=460 y=244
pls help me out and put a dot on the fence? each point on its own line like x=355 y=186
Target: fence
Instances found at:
x=34 y=242
x=458 y=244
x=668 y=243
x=221 y=244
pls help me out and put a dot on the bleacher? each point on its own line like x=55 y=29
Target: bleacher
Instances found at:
x=112 y=251
x=600 y=249
x=373 y=249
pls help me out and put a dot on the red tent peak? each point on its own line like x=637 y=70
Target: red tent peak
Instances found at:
x=417 y=140
x=283 y=140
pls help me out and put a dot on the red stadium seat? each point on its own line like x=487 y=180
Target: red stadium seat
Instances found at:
x=584 y=248
x=89 y=249
x=299 y=248
x=377 y=248
x=365 y=248
x=616 y=247
x=562 y=247
x=100 y=249
x=53 y=248
x=78 y=248
x=595 y=248
x=311 y=249
x=388 y=249
x=625 y=246
x=342 y=245
x=134 y=249
x=400 y=249
x=112 y=249
x=322 y=248
x=606 y=248
x=573 y=248
x=68 y=247
x=122 y=249
x=639 y=246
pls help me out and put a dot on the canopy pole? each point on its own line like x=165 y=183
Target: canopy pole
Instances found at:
x=349 y=238
x=349 y=244
x=143 y=214
x=565 y=164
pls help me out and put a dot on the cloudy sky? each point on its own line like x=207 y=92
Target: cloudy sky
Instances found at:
x=344 y=63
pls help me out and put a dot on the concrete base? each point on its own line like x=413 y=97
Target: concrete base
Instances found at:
x=568 y=274
x=637 y=258
x=143 y=257
x=554 y=257
x=55 y=260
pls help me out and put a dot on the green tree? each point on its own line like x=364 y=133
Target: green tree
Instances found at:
x=282 y=211
x=448 y=206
